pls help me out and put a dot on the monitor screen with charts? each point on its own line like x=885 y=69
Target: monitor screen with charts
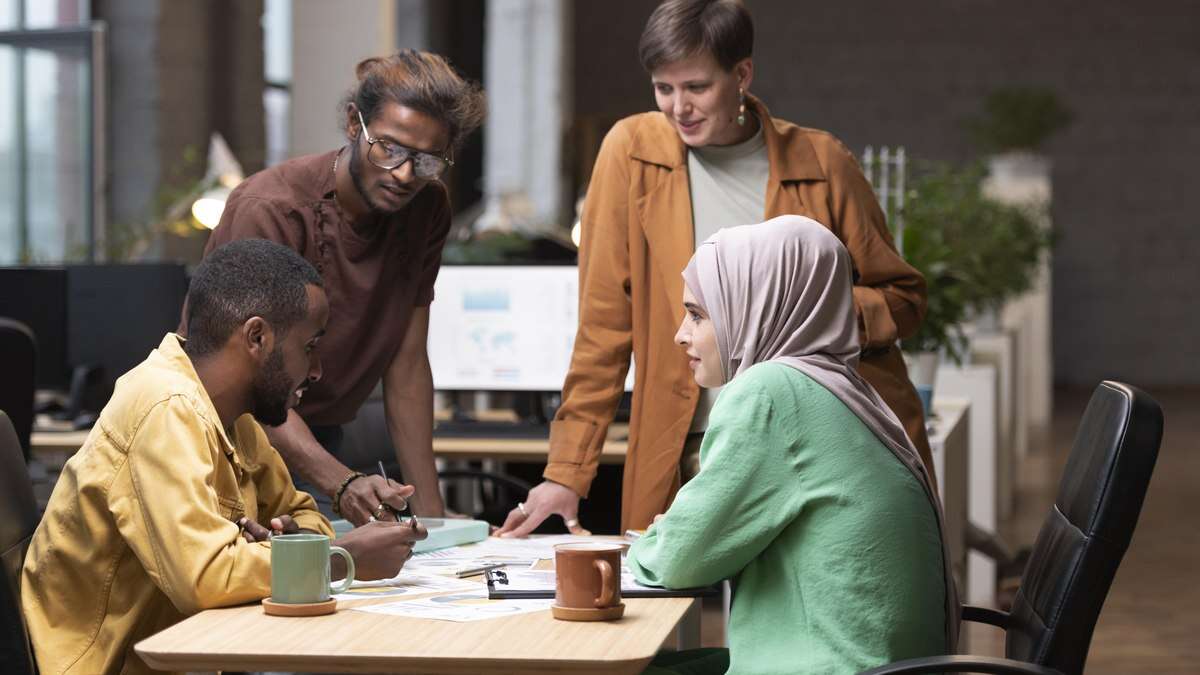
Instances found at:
x=502 y=328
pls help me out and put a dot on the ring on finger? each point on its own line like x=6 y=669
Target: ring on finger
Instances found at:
x=371 y=519
x=521 y=508
x=379 y=510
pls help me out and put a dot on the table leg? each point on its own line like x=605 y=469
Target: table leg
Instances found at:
x=687 y=633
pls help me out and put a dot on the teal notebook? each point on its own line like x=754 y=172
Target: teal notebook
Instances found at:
x=443 y=532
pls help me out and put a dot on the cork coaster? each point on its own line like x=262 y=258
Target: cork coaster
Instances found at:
x=299 y=609
x=576 y=614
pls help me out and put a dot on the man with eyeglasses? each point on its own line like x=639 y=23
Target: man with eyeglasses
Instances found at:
x=372 y=217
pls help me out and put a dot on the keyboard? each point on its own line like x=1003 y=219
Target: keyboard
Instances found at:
x=490 y=429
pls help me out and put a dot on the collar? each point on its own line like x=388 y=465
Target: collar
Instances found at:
x=789 y=151
x=171 y=349
x=326 y=177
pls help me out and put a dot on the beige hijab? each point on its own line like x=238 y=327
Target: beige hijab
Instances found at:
x=782 y=291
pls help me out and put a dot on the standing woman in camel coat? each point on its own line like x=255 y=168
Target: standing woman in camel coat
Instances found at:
x=711 y=156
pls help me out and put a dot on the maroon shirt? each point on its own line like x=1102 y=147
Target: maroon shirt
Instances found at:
x=373 y=282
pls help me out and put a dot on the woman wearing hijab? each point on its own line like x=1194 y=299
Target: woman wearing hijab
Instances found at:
x=810 y=495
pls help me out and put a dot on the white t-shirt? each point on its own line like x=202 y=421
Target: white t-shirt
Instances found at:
x=728 y=185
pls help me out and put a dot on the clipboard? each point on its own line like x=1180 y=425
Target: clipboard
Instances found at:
x=498 y=579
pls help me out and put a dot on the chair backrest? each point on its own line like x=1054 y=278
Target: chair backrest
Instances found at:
x=1084 y=537
x=18 y=520
x=18 y=363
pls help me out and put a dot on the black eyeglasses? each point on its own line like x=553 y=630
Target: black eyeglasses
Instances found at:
x=388 y=156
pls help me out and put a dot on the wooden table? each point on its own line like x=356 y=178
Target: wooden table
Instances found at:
x=244 y=638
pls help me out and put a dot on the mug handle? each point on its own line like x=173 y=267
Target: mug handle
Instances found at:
x=345 y=585
x=608 y=587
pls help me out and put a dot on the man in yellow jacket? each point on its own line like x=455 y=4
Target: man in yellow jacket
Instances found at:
x=159 y=513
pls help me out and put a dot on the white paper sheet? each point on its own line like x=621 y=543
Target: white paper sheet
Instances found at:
x=407 y=583
x=450 y=566
x=465 y=606
x=495 y=549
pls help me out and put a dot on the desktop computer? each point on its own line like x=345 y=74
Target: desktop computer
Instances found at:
x=512 y=329
x=117 y=314
x=504 y=328
x=36 y=296
x=92 y=322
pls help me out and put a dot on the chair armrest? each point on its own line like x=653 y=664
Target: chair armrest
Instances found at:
x=986 y=615
x=961 y=664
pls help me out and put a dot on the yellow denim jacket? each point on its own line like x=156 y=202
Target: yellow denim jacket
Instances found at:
x=140 y=531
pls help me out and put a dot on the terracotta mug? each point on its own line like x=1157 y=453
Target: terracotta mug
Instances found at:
x=587 y=581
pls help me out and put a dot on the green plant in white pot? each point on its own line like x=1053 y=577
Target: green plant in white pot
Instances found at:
x=1013 y=128
x=974 y=252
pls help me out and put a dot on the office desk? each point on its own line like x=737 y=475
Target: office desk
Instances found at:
x=524 y=449
x=244 y=638
x=55 y=447
x=54 y=443
x=949 y=438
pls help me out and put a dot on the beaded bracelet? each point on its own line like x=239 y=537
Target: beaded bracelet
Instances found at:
x=337 y=496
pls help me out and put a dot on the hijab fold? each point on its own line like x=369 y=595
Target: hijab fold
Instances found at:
x=782 y=291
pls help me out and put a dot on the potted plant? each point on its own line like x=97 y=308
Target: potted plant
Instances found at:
x=1014 y=125
x=1018 y=118
x=975 y=254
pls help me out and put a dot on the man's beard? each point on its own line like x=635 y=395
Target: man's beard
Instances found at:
x=356 y=164
x=272 y=391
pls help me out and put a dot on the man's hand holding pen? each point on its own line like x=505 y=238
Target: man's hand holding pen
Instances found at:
x=380 y=548
x=384 y=510
x=364 y=497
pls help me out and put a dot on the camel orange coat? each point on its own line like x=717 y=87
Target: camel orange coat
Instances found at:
x=637 y=236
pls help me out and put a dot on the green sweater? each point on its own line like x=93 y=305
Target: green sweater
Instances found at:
x=832 y=542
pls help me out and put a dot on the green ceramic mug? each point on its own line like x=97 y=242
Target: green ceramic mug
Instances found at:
x=300 y=568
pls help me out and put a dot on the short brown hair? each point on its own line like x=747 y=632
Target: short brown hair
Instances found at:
x=424 y=82
x=681 y=28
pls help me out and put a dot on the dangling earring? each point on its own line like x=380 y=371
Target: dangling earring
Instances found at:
x=741 y=118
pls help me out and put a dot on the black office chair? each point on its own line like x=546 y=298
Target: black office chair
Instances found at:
x=498 y=493
x=18 y=520
x=1079 y=547
x=18 y=363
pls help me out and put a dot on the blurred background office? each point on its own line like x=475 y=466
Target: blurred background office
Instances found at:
x=125 y=123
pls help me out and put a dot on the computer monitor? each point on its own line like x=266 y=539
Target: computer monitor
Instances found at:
x=36 y=296
x=110 y=316
x=117 y=314
x=504 y=328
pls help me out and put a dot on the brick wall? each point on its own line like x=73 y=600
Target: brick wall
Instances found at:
x=1127 y=203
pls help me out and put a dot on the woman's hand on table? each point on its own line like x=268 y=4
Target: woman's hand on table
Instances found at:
x=545 y=500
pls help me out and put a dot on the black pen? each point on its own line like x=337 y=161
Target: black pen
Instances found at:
x=412 y=517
